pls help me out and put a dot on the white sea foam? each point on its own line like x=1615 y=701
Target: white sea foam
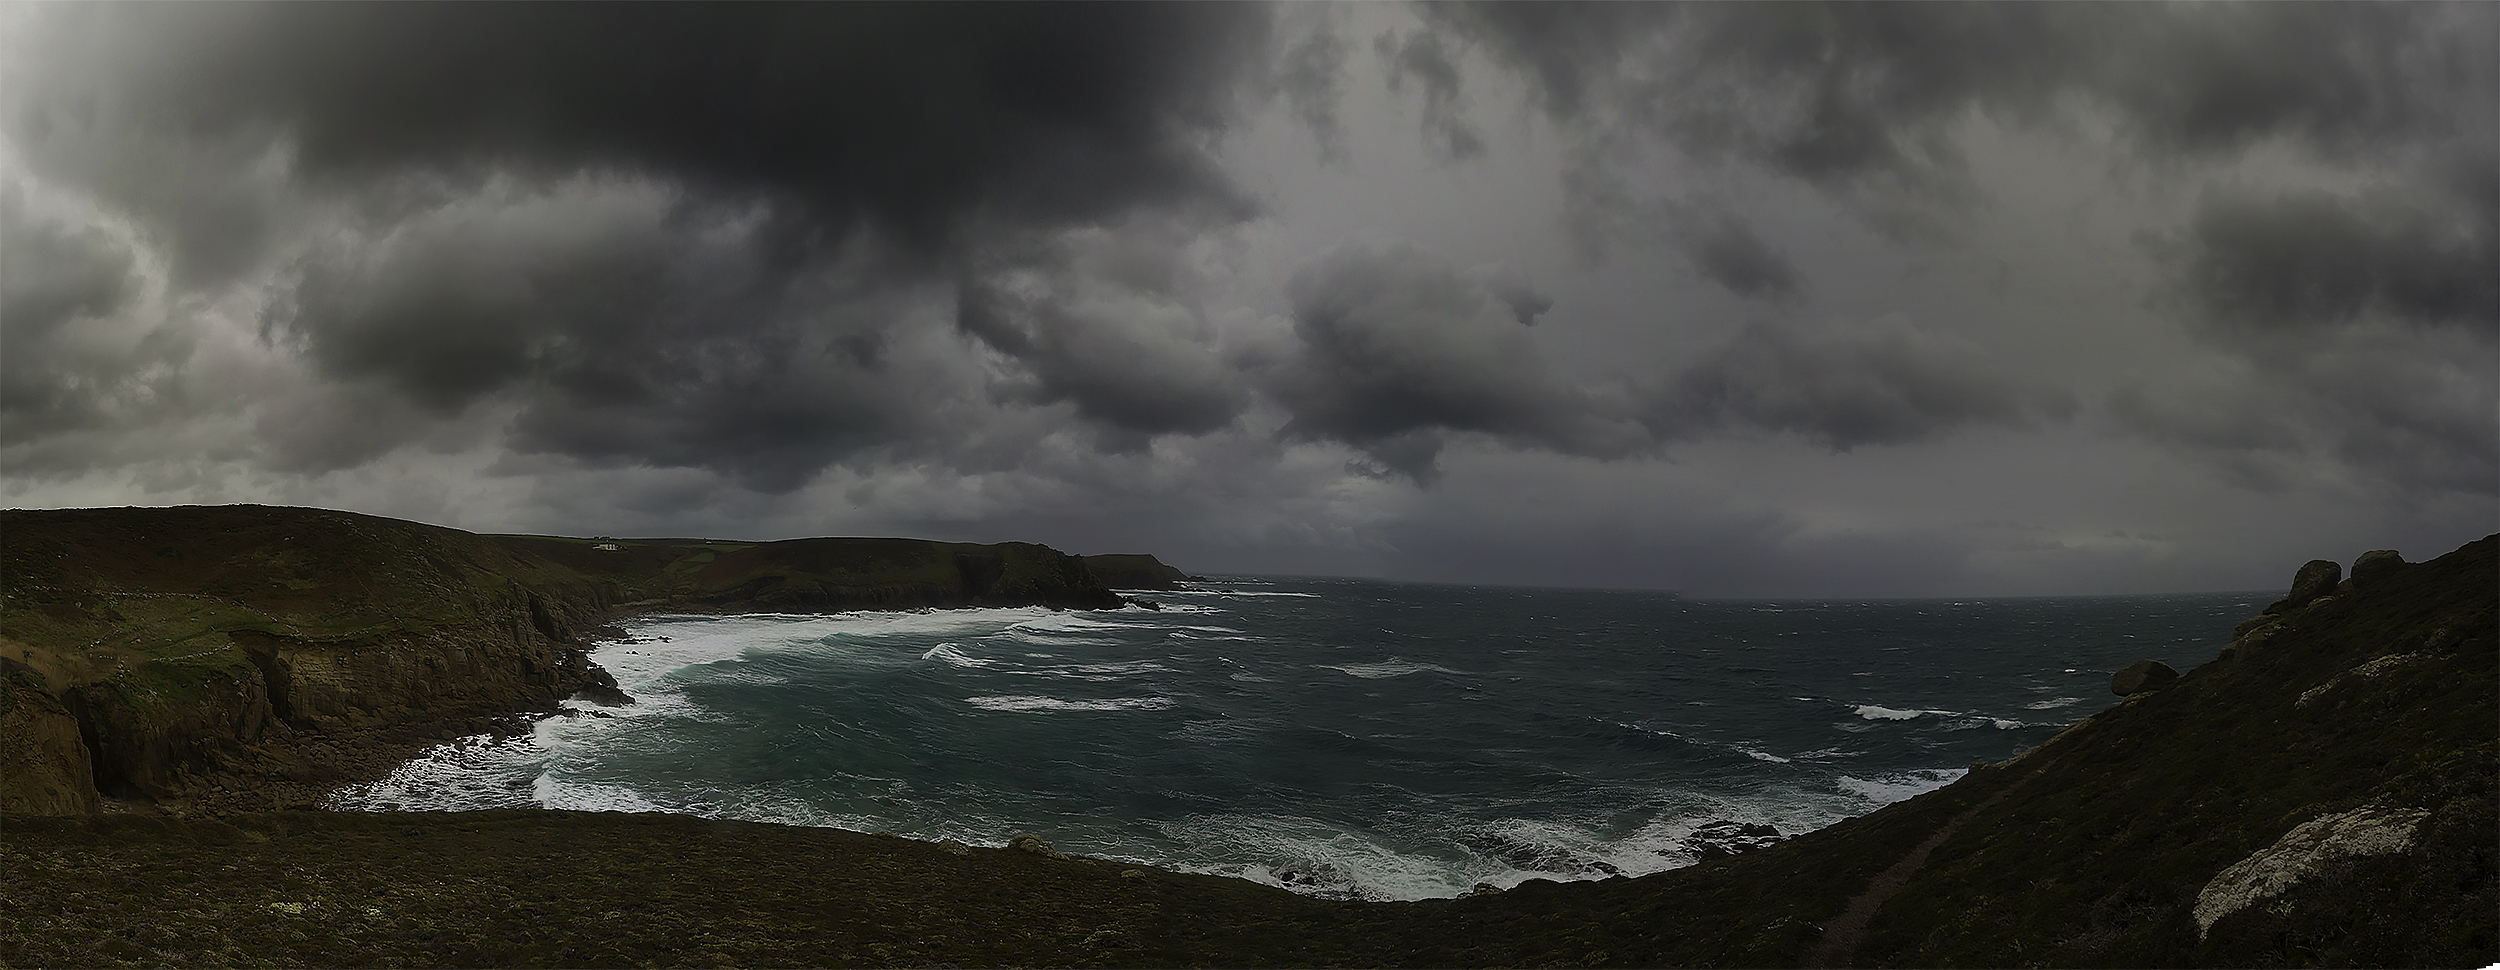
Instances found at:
x=1026 y=703
x=1887 y=789
x=953 y=655
x=1762 y=755
x=2052 y=703
x=1874 y=713
x=1392 y=667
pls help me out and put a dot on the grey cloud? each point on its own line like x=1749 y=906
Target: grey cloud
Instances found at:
x=1860 y=97
x=618 y=324
x=1724 y=248
x=897 y=119
x=2411 y=410
x=1422 y=56
x=1879 y=383
x=1108 y=320
x=1311 y=74
x=1398 y=348
x=63 y=358
x=2307 y=259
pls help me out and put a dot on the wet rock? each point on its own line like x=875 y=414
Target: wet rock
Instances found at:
x=1481 y=889
x=2142 y=676
x=599 y=687
x=1727 y=838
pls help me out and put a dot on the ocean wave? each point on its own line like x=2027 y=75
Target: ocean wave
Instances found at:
x=2052 y=703
x=1887 y=789
x=954 y=656
x=1392 y=667
x=1874 y=713
x=1028 y=704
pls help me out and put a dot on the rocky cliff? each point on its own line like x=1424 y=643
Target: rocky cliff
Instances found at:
x=244 y=657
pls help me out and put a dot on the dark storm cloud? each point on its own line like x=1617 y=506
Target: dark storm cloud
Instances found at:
x=1724 y=248
x=902 y=118
x=716 y=236
x=1843 y=91
x=58 y=281
x=2308 y=259
x=1879 y=383
x=1399 y=348
x=1106 y=319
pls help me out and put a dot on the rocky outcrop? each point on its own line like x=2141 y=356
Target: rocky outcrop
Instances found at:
x=2142 y=676
x=2316 y=578
x=2313 y=849
x=1728 y=838
x=2375 y=565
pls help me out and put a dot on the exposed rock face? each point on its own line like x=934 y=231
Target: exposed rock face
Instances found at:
x=48 y=768
x=2305 y=852
x=2142 y=676
x=2315 y=579
x=2375 y=565
x=1727 y=838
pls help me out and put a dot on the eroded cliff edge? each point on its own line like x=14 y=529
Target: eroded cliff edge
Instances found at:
x=214 y=659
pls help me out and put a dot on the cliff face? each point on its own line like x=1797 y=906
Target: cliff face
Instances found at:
x=244 y=657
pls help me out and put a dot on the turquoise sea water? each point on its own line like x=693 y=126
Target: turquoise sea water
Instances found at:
x=1347 y=738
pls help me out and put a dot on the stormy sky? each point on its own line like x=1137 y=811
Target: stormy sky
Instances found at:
x=1741 y=300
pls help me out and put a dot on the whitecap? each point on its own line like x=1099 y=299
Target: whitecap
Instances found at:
x=1874 y=713
x=2052 y=702
x=949 y=654
x=1027 y=703
x=1887 y=789
x=1392 y=667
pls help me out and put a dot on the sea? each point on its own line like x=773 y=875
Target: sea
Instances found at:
x=1344 y=738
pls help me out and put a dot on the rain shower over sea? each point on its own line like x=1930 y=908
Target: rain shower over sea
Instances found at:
x=1341 y=737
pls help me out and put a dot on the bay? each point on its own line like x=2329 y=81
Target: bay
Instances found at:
x=1341 y=737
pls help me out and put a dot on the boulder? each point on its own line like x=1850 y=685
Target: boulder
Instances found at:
x=2314 y=580
x=2375 y=565
x=1032 y=844
x=2142 y=676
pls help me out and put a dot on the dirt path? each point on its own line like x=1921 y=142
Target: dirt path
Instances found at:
x=1842 y=935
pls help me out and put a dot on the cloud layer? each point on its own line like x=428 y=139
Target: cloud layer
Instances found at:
x=1306 y=288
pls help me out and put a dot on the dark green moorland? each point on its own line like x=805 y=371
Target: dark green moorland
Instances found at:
x=2322 y=795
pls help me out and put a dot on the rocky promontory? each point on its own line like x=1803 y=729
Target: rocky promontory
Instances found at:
x=217 y=659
